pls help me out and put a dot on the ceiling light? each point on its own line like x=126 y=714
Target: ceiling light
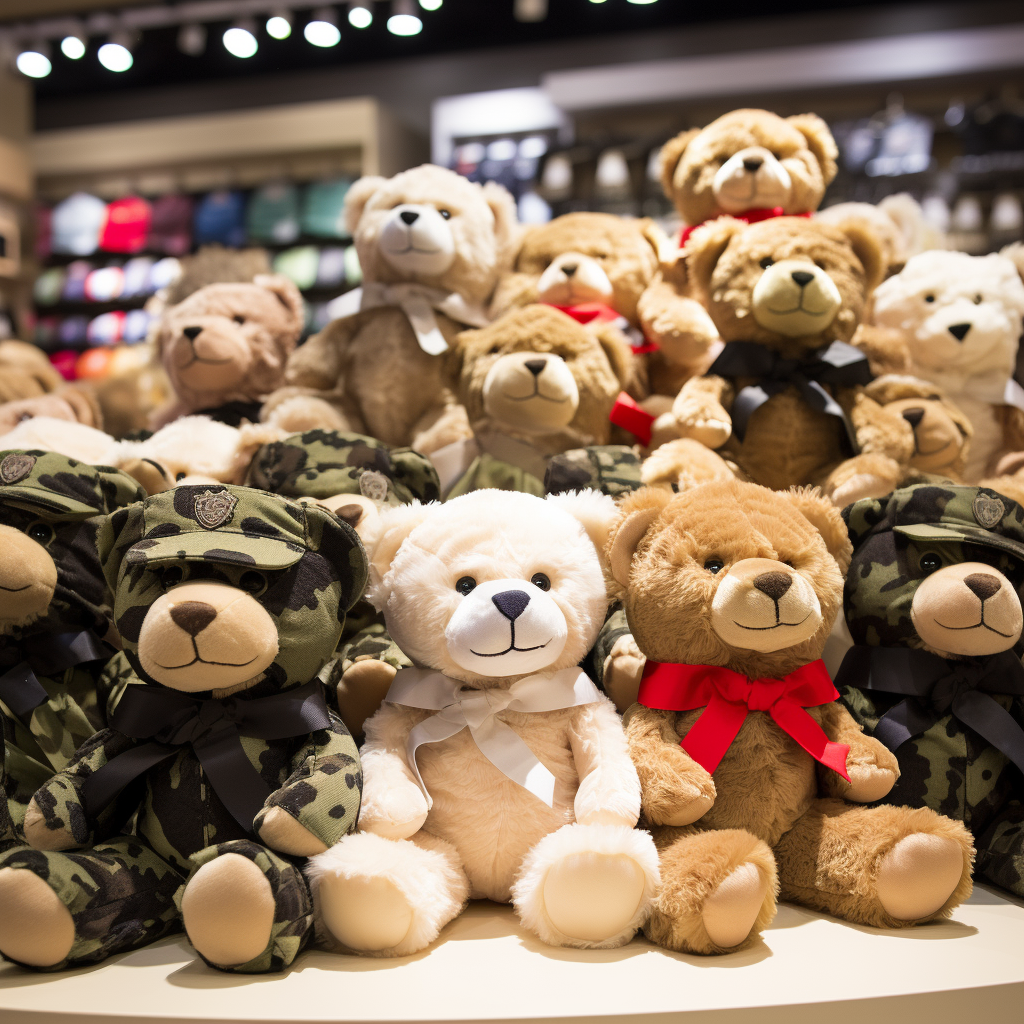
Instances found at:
x=359 y=14
x=403 y=21
x=192 y=39
x=279 y=25
x=240 y=40
x=430 y=5
x=116 y=55
x=73 y=46
x=322 y=28
x=35 y=63
x=641 y=1
x=530 y=10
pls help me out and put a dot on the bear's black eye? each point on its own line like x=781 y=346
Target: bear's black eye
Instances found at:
x=171 y=576
x=252 y=582
x=540 y=581
x=41 y=533
x=929 y=298
x=929 y=563
x=465 y=585
x=180 y=476
x=238 y=319
x=977 y=300
x=445 y=214
x=714 y=566
x=494 y=350
x=766 y=262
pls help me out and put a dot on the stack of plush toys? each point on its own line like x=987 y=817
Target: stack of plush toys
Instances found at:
x=529 y=479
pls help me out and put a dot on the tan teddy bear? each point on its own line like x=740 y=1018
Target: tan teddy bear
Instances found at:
x=751 y=771
x=432 y=246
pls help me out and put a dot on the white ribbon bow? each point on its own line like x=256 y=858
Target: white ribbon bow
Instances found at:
x=418 y=302
x=459 y=708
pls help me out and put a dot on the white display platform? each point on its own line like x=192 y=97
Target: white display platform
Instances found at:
x=485 y=967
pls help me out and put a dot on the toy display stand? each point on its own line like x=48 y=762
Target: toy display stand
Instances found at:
x=486 y=968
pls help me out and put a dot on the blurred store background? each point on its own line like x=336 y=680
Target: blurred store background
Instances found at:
x=131 y=133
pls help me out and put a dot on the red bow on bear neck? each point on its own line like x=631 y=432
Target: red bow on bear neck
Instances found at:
x=728 y=697
x=754 y=216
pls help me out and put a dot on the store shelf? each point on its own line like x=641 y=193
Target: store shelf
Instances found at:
x=808 y=968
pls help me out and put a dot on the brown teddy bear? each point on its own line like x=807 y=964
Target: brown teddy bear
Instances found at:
x=534 y=383
x=224 y=347
x=432 y=246
x=25 y=372
x=750 y=769
x=785 y=400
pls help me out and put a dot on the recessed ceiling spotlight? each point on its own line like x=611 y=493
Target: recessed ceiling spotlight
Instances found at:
x=34 y=62
x=530 y=10
x=73 y=45
x=240 y=39
x=641 y=1
x=322 y=28
x=360 y=14
x=403 y=20
x=117 y=55
x=430 y=5
x=279 y=25
x=192 y=39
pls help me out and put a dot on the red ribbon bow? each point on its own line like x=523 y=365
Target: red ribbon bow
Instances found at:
x=754 y=216
x=628 y=415
x=588 y=312
x=728 y=697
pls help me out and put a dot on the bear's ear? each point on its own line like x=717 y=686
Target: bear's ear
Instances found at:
x=826 y=519
x=636 y=515
x=394 y=526
x=705 y=246
x=359 y=194
x=671 y=154
x=285 y=291
x=506 y=220
x=868 y=248
x=862 y=517
x=596 y=512
x=619 y=354
x=819 y=142
x=656 y=239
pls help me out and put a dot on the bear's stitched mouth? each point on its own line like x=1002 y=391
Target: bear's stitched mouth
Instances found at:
x=202 y=661
x=934 y=451
x=537 y=393
x=511 y=647
x=777 y=625
x=976 y=625
x=796 y=309
x=411 y=248
x=15 y=590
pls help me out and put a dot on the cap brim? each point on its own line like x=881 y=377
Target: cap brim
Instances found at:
x=248 y=549
x=38 y=499
x=938 y=532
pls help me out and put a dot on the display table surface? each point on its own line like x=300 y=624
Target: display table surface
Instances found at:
x=485 y=967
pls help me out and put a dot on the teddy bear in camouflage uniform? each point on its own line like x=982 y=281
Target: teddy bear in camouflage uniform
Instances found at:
x=55 y=610
x=932 y=602
x=222 y=764
x=356 y=477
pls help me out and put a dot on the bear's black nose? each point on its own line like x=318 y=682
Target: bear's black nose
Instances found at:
x=193 y=616
x=774 y=584
x=536 y=366
x=982 y=584
x=409 y=216
x=802 y=277
x=959 y=331
x=569 y=269
x=913 y=416
x=511 y=603
x=752 y=163
x=192 y=332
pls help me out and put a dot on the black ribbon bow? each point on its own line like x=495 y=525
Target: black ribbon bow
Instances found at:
x=837 y=364
x=214 y=728
x=935 y=687
x=47 y=655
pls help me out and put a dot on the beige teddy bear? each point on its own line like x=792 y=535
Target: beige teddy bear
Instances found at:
x=432 y=246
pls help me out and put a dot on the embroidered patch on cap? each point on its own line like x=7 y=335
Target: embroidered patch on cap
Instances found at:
x=373 y=485
x=214 y=508
x=988 y=511
x=16 y=467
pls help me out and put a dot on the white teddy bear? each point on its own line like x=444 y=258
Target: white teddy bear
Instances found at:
x=496 y=769
x=961 y=318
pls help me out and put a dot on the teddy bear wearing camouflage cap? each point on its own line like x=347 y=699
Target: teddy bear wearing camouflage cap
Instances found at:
x=222 y=763
x=933 y=605
x=55 y=609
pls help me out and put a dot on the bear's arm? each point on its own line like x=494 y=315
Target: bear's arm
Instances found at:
x=319 y=362
x=879 y=430
x=872 y=766
x=678 y=324
x=56 y=817
x=319 y=803
x=885 y=347
x=674 y=789
x=514 y=289
x=701 y=410
x=393 y=804
x=609 y=792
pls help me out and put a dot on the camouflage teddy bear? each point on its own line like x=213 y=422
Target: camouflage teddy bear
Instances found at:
x=222 y=764
x=356 y=477
x=55 y=610
x=932 y=602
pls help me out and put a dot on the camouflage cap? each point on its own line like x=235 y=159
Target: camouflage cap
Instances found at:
x=322 y=463
x=59 y=487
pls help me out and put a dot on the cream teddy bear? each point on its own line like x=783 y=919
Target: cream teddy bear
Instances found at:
x=495 y=769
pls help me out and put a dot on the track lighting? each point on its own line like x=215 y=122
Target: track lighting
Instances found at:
x=403 y=20
x=117 y=55
x=192 y=39
x=279 y=25
x=73 y=45
x=360 y=13
x=240 y=39
x=322 y=28
x=530 y=10
x=430 y=5
x=34 y=62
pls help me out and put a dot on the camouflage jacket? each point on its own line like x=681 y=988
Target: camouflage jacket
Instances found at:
x=612 y=469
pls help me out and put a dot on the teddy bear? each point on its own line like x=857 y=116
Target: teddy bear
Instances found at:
x=25 y=372
x=224 y=348
x=55 y=622
x=221 y=763
x=432 y=246
x=752 y=773
x=933 y=606
x=960 y=318
x=495 y=596
x=785 y=399
x=357 y=478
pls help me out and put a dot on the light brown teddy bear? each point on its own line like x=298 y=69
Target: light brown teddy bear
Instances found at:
x=432 y=246
x=785 y=401
x=750 y=769
x=25 y=372
x=224 y=348
x=534 y=383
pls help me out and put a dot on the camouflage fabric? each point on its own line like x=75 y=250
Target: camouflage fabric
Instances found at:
x=949 y=767
x=613 y=469
x=57 y=505
x=371 y=642
x=313 y=568
x=615 y=626
x=323 y=463
x=487 y=472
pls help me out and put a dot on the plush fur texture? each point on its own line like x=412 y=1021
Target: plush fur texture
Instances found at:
x=367 y=373
x=498 y=539
x=25 y=372
x=675 y=559
x=747 y=274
